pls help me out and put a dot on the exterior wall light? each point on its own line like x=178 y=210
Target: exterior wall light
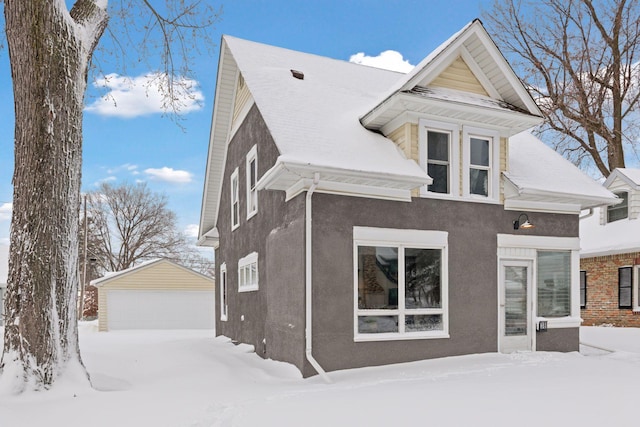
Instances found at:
x=518 y=224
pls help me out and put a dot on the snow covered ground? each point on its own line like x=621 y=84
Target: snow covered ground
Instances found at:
x=191 y=378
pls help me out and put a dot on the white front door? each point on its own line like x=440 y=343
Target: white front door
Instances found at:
x=515 y=307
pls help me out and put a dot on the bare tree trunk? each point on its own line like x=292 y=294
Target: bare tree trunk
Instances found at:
x=49 y=49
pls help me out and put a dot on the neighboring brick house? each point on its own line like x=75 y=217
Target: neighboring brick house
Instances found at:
x=610 y=256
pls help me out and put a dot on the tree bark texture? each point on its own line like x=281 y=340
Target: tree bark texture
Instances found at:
x=49 y=50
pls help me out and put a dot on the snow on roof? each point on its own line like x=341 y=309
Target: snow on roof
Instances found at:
x=616 y=237
x=314 y=120
x=536 y=168
x=114 y=274
x=629 y=175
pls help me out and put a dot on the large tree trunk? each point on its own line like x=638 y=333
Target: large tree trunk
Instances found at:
x=49 y=49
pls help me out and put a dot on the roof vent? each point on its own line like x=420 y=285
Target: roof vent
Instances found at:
x=297 y=74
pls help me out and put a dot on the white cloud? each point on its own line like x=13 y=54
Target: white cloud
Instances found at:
x=146 y=94
x=127 y=167
x=5 y=211
x=191 y=230
x=169 y=175
x=389 y=60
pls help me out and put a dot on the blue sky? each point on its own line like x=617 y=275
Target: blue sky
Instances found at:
x=133 y=142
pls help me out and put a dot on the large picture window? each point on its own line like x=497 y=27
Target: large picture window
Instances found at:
x=624 y=287
x=554 y=283
x=401 y=289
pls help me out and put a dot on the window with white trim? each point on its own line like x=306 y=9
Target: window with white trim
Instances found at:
x=481 y=159
x=621 y=210
x=438 y=146
x=554 y=283
x=625 y=291
x=248 y=273
x=223 y=292
x=401 y=280
x=252 y=180
x=235 y=200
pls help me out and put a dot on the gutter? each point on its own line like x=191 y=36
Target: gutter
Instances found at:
x=308 y=288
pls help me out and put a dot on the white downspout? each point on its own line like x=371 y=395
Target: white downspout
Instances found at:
x=308 y=288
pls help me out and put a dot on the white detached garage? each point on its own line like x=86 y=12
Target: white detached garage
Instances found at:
x=158 y=294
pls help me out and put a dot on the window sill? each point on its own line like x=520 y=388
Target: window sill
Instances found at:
x=400 y=337
x=442 y=196
x=223 y=318
x=251 y=214
x=248 y=289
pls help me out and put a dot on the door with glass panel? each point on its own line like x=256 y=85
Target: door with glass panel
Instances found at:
x=515 y=306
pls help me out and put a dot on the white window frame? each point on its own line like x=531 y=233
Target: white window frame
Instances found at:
x=224 y=294
x=248 y=273
x=418 y=239
x=493 y=187
x=235 y=199
x=635 y=303
x=252 y=191
x=454 y=154
x=533 y=244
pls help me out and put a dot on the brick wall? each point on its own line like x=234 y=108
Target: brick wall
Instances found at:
x=602 y=291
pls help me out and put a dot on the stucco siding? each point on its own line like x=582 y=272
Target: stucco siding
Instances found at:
x=271 y=318
x=472 y=267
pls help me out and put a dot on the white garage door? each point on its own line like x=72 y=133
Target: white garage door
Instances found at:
x=160 y=309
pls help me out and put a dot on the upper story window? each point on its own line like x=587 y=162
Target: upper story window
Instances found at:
x=248 y=273
x=235 y=200
x=621 y=210
x=481 y=163
x=438 y=148
x=252 y=180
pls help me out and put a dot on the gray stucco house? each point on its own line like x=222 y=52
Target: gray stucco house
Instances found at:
x=363 y=217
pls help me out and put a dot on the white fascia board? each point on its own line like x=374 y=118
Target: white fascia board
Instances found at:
x=507 y=72
x=527 y=121
x=345 y=189
x=218 y=138
x=537 y=206
x=287 y=169
x=210 y=239
x=585 y=201
x=621 y=175
x=538 y=242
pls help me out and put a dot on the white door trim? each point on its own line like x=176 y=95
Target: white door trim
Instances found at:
x=519 y=343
